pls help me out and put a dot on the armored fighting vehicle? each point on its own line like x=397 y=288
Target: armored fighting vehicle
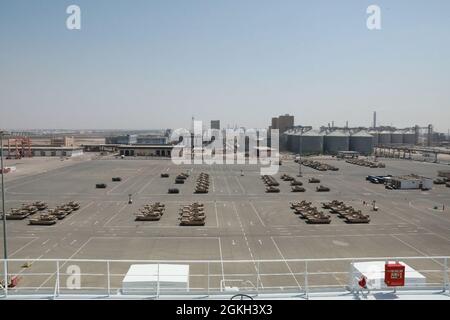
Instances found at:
x=322 y=188
x=43 y=220
x=313 y=180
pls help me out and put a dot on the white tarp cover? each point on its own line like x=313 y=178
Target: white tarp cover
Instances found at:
x=374 y=273
x=143 y=278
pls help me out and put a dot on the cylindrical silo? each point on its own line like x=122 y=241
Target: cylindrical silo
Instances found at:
x=409 y=137
x=295 y=142
x=397 y=137
x=384 y=138
x=336 y=141
x=286 y=140
x=362 y=142
x=374 y=134
x=311 y=142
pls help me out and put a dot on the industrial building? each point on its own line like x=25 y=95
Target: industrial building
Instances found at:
x=48 y=151
x=361 y=142
x=215 y=124
x=145 y=150
x=65 y=141
x=282 y=123
x=411 y=182
x=123 y=139
x=330 y=140
x=152 y=140
x=336 y=141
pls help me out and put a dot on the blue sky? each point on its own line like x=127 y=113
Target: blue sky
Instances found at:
x=151 y=64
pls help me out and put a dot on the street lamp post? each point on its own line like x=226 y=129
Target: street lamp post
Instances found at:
x=5 y=249
x=300 y=155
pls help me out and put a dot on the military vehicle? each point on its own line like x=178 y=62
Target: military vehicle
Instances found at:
x=151 y=212
x=40 y=205
x=74 y=205
x=298 y=189
x=202 y=185
x=179 y=181
x=16 y=214
x=357 y=218
x=115 y=179
x=66 y=208
x=313 y=180
x=270 y=181
x=322 y=188
x=447 y=184
x=43 y=220
x=286 y=177
x=438 y=181
x=296 y=183
x=318 y=218
x=300 y=204
x=173 y=190
x=148 y=216
x=100 y=185
x=192 y=215
x=334 y=203
x=192 y=221
x=30 y=208
x=164 y=175
x=59 y=213
x=271 y=189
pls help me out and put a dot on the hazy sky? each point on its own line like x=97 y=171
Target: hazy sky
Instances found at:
x=153 y=64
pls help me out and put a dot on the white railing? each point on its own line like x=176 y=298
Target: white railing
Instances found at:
x=207 y=278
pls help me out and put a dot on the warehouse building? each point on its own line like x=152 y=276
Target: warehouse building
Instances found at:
x=152 y=140
x=50 y=152
x=411 y=182
x=124 y=139
x=145 y=150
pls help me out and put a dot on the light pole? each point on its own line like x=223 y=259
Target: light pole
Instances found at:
x=5 y=249
x=300 y=155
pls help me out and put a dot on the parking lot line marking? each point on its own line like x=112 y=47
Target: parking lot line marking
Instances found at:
x=24 y=246
x=257 y=214
x=64 y=263
x=43 y=243
x=221 y=258
x=415 y=249
x=114 y=215
x=287 y=265
x=240 y=185
x=119 y=184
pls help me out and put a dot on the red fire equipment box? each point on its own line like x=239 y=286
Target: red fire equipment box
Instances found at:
x=394 y=274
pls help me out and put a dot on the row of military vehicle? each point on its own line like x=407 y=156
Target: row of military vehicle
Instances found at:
x=192 y=215
x=309 y=213
x=25 y=210
x=317 y=165
x=346 y=212
x=366 y=163
x=104 y=185
x=48 y=218
x=151 y=212
x=313 y=216
x=296 y=185
x=443 y=180
x=202 y=185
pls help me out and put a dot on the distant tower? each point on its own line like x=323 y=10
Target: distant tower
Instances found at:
x=374 y=119
x=430 y=135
